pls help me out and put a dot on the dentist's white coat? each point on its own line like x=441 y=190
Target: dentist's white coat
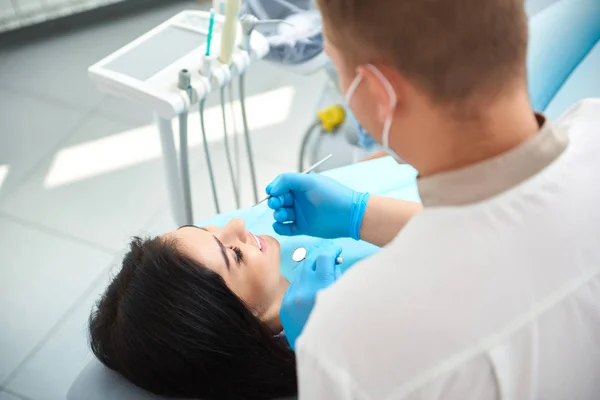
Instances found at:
x=492 y=292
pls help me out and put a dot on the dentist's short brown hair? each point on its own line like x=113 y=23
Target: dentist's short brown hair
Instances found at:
x=453 y=50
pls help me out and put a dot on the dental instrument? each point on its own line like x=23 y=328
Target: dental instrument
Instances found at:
x=211 y=28
x=308 y=171
x=300 y=254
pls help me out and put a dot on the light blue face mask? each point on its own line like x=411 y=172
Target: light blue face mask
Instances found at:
x=365 y=141
x=363 y=136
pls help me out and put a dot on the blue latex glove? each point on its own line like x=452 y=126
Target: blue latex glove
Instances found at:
x=315 y=205
x=317 y=272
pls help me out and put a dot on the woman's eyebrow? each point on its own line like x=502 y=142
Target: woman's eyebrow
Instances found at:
x=191 y=226
x=221 y=246
x=223 y=251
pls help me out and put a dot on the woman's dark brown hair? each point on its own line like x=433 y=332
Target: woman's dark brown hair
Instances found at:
x=172 y=327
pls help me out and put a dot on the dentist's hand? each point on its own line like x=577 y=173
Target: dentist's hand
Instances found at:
x=315 y=205
x=317 y=272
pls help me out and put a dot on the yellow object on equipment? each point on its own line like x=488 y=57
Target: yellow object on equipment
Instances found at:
x=331 y=117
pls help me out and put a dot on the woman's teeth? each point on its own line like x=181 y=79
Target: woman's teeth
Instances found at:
x=257 y=242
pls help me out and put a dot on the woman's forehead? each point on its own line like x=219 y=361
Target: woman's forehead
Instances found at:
x=202 y=245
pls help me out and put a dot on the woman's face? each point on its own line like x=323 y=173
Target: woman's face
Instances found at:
x=248 y=264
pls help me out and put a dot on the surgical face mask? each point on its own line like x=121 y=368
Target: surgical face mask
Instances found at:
x=385 y=137
x=364 y=139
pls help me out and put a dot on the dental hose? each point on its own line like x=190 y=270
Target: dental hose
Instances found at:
x=236 y=141
x=208 y=161
x=183 y=83
x=228 y=150
x=247 y=137
x=329 y=120
x=185 y=166
x=305 y=140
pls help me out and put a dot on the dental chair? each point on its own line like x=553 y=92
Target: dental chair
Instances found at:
x=564 y=67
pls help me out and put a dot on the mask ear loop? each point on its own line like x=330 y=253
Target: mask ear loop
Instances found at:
x=352 y=88
x=393 y=102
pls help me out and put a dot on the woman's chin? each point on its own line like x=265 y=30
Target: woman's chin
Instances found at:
x=272 y=244
x=273 y=250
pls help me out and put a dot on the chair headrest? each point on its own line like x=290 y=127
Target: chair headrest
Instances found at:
x=561 y=36
x=96 y=382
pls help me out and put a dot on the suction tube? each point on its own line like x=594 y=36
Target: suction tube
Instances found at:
x=236 y=144
x=185 y=166
x=184 y=84
x=305 y=141
x=208 y=161
x=247 y=136
x=234 y=184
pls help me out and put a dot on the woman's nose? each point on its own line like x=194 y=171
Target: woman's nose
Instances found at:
x=236 y=229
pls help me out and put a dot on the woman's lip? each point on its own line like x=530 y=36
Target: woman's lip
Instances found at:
x=263 y=244
x=258 y=244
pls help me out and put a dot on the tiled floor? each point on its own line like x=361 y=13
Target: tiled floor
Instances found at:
x=81 y=172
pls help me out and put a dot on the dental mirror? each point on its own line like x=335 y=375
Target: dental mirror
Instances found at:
x=300 y=254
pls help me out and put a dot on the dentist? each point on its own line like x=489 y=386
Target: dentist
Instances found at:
x=493 y=289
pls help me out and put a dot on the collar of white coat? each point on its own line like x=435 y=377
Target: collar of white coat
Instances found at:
x=489 y=178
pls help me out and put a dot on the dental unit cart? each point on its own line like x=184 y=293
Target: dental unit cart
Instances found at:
x=171 y=70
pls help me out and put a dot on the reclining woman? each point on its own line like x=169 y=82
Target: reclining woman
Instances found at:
x=194 y=313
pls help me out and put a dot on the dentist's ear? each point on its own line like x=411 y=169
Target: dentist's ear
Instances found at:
x=385 y=86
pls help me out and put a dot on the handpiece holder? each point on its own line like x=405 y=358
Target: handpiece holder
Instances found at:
x=184 y=83
x=249 y=22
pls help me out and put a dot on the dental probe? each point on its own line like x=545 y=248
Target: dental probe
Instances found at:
x=308 y=171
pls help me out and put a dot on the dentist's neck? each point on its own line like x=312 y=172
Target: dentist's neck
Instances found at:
x=448 y=142
x=270 y=316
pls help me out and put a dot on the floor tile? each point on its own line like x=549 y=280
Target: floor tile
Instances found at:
x=57 y=66
x=31 y=128
x=67 y=348
x=42 y=276
x=102 y=185
x=8 y=396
